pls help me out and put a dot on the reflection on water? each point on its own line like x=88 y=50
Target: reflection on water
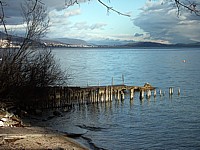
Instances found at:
x=163 y=122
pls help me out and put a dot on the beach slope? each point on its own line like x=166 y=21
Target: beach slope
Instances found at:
x=35 y=138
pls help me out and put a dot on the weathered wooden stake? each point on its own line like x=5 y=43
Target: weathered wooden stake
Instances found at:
x=141 y=94
x=106 y=94
x=111 y=93
x=154 y=94
x=122 y=95
x=160 y=92
x=118 y=95
x=122 y=79
x=112 y=81
x=131 y=94
x=179 y=91
x=148 y=94
x=170 y=91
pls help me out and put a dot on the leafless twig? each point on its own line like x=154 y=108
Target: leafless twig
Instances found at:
x=192 y=6
x=114 y=10
x=72 y=2
x=34 y=6
x=2 y=16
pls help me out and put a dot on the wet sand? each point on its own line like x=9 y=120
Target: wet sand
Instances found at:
x=35 y=138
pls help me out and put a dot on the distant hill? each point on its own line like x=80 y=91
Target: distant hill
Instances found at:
x=3 y=36
x=159 y=45
x=60 y=42
x=70 y=41
x=146 y=44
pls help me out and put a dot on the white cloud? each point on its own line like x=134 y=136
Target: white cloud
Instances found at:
x=85 y=26
x=161 y=22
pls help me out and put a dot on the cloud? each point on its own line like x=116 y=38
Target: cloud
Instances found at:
x=85 y=26
x=161 y=22
x=138 y=35
x=13 y=11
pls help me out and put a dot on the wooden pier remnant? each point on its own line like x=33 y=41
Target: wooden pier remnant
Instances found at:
x=59 y=96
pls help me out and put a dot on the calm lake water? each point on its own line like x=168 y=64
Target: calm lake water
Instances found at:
x=163 y=122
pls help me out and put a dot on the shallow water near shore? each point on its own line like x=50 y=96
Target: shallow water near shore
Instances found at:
x=163 y=122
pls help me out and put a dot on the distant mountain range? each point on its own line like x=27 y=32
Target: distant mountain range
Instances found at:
x=71 y=41
x=159 y=45
x=68 y=42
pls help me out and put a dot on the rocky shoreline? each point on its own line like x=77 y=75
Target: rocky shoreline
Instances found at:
x=14 y=134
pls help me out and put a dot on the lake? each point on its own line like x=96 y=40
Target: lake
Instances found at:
x=163 y=122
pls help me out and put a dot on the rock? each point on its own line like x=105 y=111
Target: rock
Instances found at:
x=9 y=120
x=9 y=115
x=1 y=124
x=4 y=119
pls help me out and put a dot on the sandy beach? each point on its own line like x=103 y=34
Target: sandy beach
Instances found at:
x=35 y=138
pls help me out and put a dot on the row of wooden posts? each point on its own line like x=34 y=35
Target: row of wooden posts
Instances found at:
x=149 y=93
x=69 y=96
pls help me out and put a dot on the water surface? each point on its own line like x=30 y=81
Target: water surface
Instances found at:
x=164 y=122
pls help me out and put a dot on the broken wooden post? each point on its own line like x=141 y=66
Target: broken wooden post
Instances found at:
x=117 y=94
x=122 y=79
x=106 y=94
x=111 y=93
x=154 y=93
x=160 y=92
x=131 y=94
x=170 y=91
x=179 y=91
x=141 y=94
x=122 y=95
x=148 y=94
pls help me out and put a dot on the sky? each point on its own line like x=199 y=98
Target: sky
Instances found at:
x=150 y=20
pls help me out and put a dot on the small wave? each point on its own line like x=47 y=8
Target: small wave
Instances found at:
x=92 y=145
x=91 y=128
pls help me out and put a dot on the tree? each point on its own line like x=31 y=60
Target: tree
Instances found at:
x=29 y=65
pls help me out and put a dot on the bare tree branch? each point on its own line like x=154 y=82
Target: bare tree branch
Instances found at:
x=2 y=18
x=191 y=6
x=72 y=2
x=34 y=6
x=114 y=10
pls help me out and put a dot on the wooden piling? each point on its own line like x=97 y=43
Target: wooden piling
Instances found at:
x=122 y=95
x=160 y=92
x=131 y=94
x=118 y=94
x=111 y=93
x=154 y=94
x=148 y=94
x=170 y=91
x=122 y=79
x=141 y=94
x=179 y=91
